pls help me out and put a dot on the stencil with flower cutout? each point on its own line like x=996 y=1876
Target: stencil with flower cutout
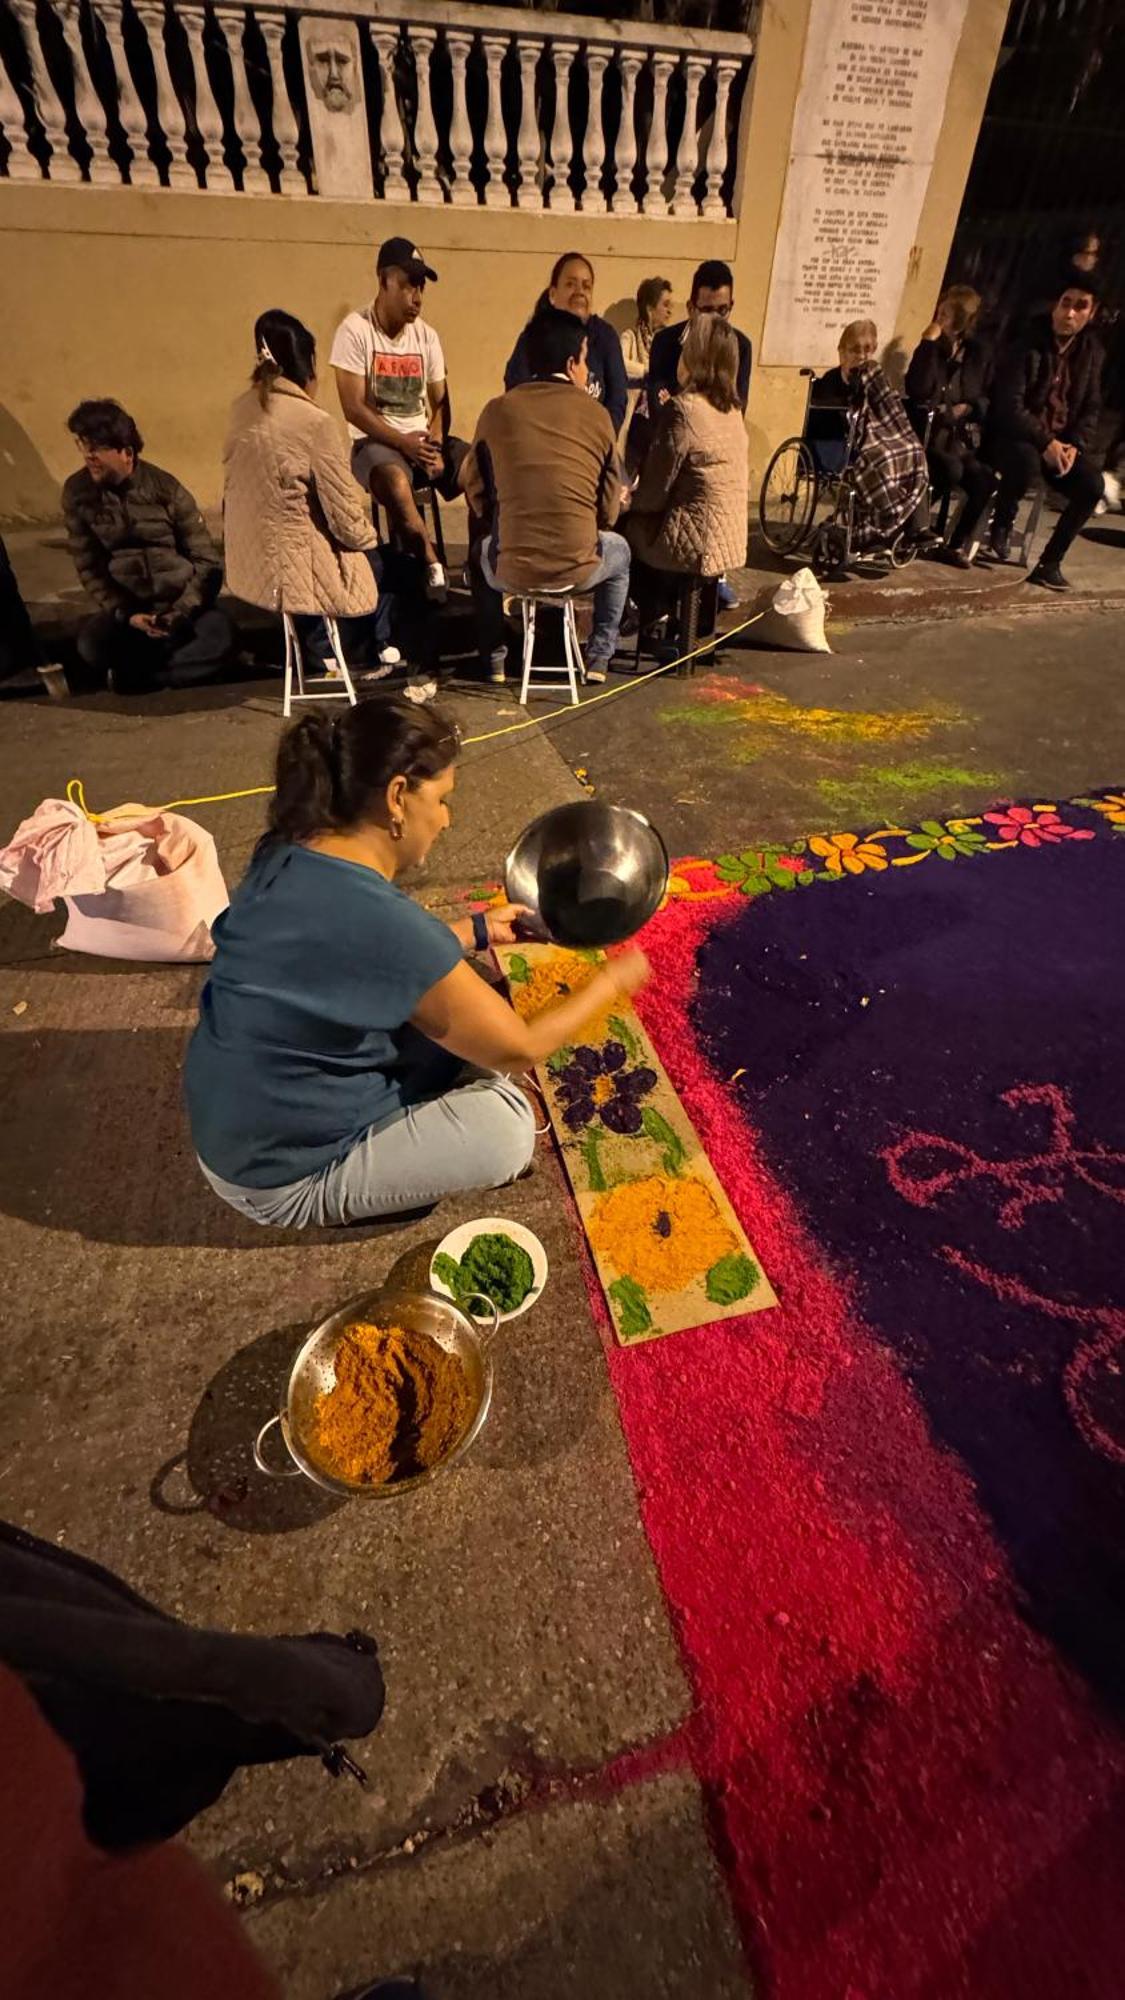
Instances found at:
x=669 y=1249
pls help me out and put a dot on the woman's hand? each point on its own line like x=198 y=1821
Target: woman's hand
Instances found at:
x=629 y=972
x=502 y=922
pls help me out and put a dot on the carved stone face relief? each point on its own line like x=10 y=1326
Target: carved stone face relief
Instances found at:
x=331 y=69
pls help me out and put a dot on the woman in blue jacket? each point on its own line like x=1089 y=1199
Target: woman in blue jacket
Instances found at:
x=572 y=290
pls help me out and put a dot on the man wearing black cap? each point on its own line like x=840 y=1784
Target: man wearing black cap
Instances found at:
x=390 y=373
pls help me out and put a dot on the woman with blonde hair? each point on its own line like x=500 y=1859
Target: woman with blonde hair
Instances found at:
x=296 y=535
x=950 y=374
x=689 y=512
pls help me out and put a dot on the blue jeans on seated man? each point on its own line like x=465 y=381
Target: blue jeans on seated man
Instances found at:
x=609 y=583
x=372 y=629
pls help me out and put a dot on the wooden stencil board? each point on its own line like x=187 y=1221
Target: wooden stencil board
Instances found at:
x=669 y=1248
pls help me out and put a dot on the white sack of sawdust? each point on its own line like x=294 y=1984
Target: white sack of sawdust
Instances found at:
x=794 y=617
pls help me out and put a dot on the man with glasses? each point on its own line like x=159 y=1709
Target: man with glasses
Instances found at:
x=712 y=291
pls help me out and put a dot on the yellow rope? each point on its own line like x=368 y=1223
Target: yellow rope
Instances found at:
x=77 y=796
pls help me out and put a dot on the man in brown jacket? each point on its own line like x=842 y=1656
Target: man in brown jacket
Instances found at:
x=544 y=478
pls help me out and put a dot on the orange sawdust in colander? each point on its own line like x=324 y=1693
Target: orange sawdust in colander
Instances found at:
x=399 y=1405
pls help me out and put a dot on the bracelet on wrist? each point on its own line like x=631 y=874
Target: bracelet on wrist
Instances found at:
x=480 y=931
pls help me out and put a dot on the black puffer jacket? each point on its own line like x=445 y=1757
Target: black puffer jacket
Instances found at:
x=141 y=546
x=1023 y=380
x=940 y=379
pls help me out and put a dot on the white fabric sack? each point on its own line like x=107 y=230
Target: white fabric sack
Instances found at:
x=157 y=906
x=794 y=617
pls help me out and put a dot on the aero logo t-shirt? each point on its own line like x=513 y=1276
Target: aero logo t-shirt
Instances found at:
x=396 y=372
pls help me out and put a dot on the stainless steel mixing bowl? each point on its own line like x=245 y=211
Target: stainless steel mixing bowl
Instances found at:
x=592 y=874
x=314 y=1370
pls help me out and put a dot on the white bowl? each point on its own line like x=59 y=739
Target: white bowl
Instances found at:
x=457 y=1242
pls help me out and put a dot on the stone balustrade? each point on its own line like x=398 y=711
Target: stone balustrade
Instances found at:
x=424 y=104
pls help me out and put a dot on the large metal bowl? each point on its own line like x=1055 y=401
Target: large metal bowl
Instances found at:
x=314 y=1371
x=591 y=874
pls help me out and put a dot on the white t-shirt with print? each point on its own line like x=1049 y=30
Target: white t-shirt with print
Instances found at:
x=396 y=371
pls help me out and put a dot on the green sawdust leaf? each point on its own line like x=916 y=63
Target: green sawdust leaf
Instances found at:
x=658 y=1128
x=519 y=970
x=732 y=1278
x=559 y=1060
x=633 y=1315
x=595 y=1172
x=755 y=885
x=624 y=1034
x=934 y=828
x=783 y=878
x=729 y=868
x=806 y=876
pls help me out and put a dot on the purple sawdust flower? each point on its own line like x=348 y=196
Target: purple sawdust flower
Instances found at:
x=598 y=1083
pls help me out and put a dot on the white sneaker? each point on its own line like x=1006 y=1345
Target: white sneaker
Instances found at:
x=437 y=586
x=389 y=659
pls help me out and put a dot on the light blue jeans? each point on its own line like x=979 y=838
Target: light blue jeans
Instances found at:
x=610 y=585
x=479 y=1135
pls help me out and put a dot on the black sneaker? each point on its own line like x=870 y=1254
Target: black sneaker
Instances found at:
x=1000 y=545
x=1050 y=576
x=957 y=558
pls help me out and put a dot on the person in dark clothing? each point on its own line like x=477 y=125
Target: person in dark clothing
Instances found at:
x=712 y=291
x=143 y=553
x=20 y=652
x=949 y=374
x=571 y=290
x=1043 y=421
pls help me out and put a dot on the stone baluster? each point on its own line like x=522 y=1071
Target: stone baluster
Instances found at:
x=247 y=125
x=429 y=190
x=217 y=176
x=462 y=193
x=562 y=143
x=170 y=117
x=45 y=98
x=687 y=154
x=656 y=153
x=392 y=139
x=529 y=194
x=630 y=63
x=714 y=207
x=286 y=131
x=130 y=110
x=88 y=106
x=495 y=137
x=593 y=151
x=22 y=164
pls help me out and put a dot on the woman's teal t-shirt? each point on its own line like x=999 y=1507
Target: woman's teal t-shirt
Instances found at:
x=319 y=964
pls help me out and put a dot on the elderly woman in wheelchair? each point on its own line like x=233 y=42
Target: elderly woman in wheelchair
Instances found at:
x=855 y=482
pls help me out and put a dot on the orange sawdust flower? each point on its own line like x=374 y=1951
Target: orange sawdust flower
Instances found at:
x=848 y=853
x=549 y=980
x=663 y=1232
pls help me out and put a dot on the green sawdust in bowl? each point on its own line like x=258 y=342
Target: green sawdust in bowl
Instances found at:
x=492 y=1264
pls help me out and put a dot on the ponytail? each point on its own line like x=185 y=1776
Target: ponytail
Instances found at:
x=284 y=347
x=333 y=770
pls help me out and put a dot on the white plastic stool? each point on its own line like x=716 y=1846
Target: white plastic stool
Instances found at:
x=294 y=669
x=573 y=671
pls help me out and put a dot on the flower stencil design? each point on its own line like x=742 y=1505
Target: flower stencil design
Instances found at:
x=848 y=853
x=947 y=842
x=599 y=1083
x=1034 y=826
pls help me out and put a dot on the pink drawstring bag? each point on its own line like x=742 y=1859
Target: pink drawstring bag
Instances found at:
x=138 y=883
x=160 y=907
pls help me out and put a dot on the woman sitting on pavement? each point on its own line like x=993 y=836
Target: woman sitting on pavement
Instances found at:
x=654 y=311
x=296 y=535
x=688 y=515
x=327 y=1081
x=571 y=290
x=949 y=374
x=888 y=465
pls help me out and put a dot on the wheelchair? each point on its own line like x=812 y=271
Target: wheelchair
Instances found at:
x=806 y=504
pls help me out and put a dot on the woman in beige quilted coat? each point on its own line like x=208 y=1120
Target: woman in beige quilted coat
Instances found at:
x=296 y=535
x=690 y=509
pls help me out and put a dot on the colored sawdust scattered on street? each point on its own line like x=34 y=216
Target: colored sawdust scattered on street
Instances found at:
x=757 y=721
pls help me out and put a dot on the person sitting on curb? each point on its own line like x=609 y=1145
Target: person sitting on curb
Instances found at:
x=544 y=477
x=390 y=374
x=143 y=553
x=297 y=537
x=571 y=290
x=348 y=1062
x=1043 y=423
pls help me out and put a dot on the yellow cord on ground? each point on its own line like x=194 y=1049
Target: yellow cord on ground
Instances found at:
x=77 y=796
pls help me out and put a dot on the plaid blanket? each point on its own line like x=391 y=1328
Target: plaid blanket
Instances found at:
x=889 y=465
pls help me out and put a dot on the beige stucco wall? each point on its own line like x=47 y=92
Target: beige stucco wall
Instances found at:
x=151 y=297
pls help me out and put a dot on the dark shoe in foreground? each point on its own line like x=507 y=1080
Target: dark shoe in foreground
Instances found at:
x=1000 y=545
x=956 y=558
x=1049 y=576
